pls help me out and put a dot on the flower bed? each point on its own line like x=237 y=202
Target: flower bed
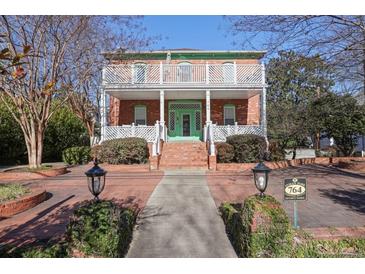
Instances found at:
x=12 y=207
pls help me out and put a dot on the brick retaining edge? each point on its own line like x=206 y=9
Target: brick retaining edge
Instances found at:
x=10 y=208
x=282 y=164
x=28 y=175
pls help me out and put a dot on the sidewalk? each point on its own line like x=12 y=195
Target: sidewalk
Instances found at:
x=181 y=220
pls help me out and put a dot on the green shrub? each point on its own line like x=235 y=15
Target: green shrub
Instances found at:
x=12 y=191
x=101 y=229
x=259 y=228
x=12 y=144
x=64 y=130
x=342 y=248
x=276 y=153
x=124 y=151
x=247 y=148
x=76 y=155
x=95 y=151
x=225 y=153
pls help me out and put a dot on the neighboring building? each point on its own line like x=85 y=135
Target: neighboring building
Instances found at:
x=183 y=95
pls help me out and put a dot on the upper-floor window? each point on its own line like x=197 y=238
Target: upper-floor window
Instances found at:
x=229 y=114
x=140 y=73
x=184 y=72
x=228 y=72
x=140 y=115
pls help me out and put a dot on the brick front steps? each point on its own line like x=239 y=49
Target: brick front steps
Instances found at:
x=10 y=208
x=184 y=155
x=287 y=163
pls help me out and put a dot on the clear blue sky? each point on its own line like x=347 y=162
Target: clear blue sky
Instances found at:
x=201 y=32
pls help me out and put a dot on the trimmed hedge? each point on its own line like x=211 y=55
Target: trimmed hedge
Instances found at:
x=124 y=151
x=225 y=153
x=247 y=148
x=101 y=229
x=275 y=152
x=76 y=155
x=258 y=228
x=96 y=229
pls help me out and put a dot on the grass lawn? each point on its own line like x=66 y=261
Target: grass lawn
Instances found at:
x=12 y=191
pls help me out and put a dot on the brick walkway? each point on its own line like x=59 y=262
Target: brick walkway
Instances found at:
x=336 y=198
x=50 y=218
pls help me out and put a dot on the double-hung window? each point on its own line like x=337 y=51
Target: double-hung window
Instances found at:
x=229 y=114
x=140 y=115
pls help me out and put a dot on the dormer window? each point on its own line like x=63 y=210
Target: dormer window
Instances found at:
x=140 y=72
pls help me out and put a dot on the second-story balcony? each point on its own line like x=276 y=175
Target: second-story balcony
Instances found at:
x=184 y=75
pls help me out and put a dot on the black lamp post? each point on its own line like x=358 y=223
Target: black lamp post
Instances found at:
x=261 y=177
x=96 y=179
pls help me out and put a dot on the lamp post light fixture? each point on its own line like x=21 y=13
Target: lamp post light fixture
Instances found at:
x=261 y=177
x=96 y=179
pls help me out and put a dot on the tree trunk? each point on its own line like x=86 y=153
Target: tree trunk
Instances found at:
x=35 y=147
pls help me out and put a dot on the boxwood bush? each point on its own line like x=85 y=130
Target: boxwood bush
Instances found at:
x=76 y=155
x=124 y=151
x=101 y=229
x=247 y=148
x=225 y=153
x=276 y=153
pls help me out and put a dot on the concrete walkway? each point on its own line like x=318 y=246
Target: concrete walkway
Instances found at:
x=181 y=220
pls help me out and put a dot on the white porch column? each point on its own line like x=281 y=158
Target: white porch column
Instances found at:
x=162 y=114
x=207 y=105
x=103 y=115
x=162 y=106
x=263 y=102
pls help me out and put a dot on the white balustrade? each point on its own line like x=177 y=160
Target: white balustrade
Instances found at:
x=171 y=74
x=146 y=132
x=220 y=133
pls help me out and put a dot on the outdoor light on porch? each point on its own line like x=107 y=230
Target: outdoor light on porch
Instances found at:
x=261 y=177
x=96 y=179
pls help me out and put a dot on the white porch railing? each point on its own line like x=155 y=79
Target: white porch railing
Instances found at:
x=152 y=134
x=214 y=133
x=146 y=132
x=171 y=74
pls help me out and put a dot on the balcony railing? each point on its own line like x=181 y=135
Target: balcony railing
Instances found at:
x=250 y=75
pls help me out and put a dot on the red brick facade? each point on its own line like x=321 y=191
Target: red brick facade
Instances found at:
x=247 y=110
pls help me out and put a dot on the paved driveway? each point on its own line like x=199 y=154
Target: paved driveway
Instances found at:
x=335 y=197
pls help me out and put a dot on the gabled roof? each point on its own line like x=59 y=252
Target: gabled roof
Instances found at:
x=183 y=53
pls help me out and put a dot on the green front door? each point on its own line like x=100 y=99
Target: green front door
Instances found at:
x=185 y=120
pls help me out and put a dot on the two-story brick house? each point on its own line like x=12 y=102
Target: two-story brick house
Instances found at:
x=183 y=95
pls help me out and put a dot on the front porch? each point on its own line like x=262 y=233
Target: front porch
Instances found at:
x=208 y=109
x=183 y=115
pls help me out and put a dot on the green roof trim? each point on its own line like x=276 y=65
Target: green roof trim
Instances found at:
x=185 y=55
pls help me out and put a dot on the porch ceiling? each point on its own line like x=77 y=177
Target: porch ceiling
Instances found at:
x=182 y=94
